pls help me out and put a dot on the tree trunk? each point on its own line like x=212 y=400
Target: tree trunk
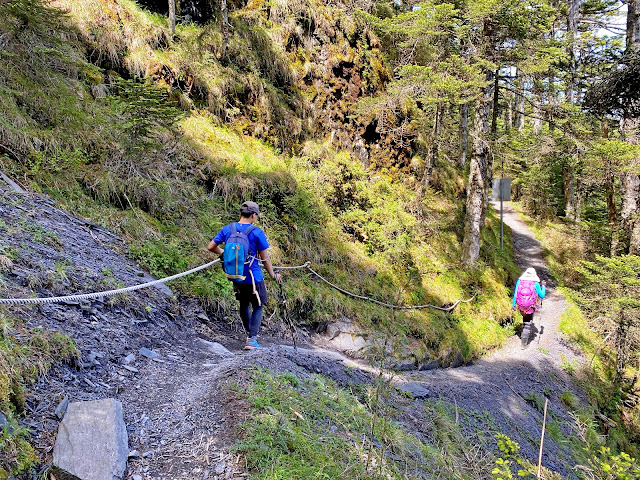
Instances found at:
x=621 y=347
x=569 y=194
x=579 y=198
x=612 y=211
x=172 y=16
x=572 y=33
x=479 y=178
x=537 y=106
x=630 y=129
x=464 y=134
x=433 y=156
x=495 y=110
x=224 y=12
x=519 y=102
x=633 y=24
x=508 y=112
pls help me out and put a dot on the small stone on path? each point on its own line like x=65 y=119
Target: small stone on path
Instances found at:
x=61 y=409
x=415 y=389
x=145 y=352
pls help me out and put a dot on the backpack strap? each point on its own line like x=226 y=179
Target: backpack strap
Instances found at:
x=249 y=230
x=233 y=228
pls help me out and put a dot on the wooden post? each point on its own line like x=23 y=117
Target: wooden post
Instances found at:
x=544 y=422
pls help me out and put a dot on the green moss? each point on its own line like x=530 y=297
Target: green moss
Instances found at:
x=25 y=354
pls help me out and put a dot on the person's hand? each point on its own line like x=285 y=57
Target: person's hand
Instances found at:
x=277 y=277
x=513 y=309
x=544 y=283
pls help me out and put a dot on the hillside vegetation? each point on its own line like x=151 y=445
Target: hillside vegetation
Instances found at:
x=133 y=135
x=368 y=132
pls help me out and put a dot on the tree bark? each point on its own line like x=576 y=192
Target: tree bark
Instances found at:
x=495 y=110
x=633 y=24
x=579 y=198
x=224 y=12
x=433 y=156
x=572 y=33
x=612 y=211
x=479 y=177
x=519 y=102
x=629 y=211
x=569 y=192
x=621 y=348
x=630 y=129
x=537 y=106
x=464 y=134
x=172 y=16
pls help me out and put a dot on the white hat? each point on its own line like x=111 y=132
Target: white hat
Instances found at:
x=530 y=274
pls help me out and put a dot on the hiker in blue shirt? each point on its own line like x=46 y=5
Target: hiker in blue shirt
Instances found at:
x=525 y=297
x=250 y=291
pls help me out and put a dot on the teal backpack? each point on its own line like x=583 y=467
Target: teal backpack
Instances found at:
x=236 y=253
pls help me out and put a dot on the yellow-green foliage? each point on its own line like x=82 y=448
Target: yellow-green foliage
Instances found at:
x=363 y=229
x=574 y=324
x=563 y=248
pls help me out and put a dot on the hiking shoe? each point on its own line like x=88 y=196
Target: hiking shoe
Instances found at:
x=251 y=343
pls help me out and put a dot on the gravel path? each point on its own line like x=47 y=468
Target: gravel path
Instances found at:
x=502 y=382
x=181 y=421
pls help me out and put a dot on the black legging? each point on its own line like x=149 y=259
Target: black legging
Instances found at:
x=251 y=323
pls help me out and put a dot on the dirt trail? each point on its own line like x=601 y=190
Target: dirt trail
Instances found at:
x=180 y=419
x=499 y=383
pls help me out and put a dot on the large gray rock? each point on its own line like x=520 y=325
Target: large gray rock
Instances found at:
x=348 y=342
x=92 y=442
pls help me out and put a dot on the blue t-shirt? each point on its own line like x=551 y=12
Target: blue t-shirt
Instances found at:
x=257 y=243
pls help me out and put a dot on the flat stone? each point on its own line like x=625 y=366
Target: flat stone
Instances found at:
x=92 y=442
x=134 y=454
x=164 y=289
x=344 y=325
x=136 y=477
x=430 y=365
x=405 y=366
x=131 y=369
x=348 y=342
x=202 y=316
x=217 y=349
x=415 y=389
x=458 y=361
x=129 y=359
x=61 y=409
x=145 y=352
x=221 y=466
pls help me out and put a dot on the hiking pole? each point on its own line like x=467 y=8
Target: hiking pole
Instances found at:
x=544 y=284
x=285 y=314
x=541 y=327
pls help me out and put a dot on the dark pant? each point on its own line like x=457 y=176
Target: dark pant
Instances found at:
x=527 y=326
x=247 y=298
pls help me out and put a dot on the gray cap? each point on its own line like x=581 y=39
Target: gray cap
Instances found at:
x=251 y=207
